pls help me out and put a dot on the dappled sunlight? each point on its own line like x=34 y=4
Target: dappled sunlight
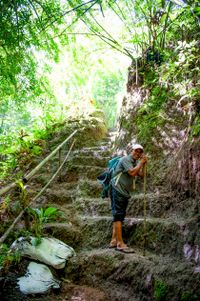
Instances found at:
x=84 y=106
x=169 y=139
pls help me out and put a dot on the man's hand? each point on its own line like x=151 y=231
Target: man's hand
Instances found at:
x=143 y=159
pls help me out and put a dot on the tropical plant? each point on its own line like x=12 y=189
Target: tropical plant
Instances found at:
x=7 y=257
x=40 y=217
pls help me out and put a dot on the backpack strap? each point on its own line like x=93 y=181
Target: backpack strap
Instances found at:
x=117 y=177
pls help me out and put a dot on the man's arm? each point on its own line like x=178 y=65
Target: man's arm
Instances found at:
x=139 y=169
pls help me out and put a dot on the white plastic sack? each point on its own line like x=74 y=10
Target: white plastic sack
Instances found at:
x=37 y=280
x=51 y=251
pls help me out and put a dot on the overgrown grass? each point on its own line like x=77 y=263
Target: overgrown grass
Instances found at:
x=20 y=148
x=160 y=290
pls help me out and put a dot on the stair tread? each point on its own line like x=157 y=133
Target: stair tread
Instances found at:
x=135 y=220
x=138 y=253
x=88 y=166
x=147 y=258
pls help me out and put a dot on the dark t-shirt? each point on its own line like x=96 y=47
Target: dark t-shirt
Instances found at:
x=121 y=180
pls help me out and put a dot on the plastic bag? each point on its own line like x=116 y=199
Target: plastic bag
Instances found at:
x=51 y=251
x=37 y=280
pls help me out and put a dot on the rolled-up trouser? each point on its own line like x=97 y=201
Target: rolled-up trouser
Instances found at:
x=119 y=204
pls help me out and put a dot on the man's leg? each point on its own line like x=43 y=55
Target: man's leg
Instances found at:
x=113 y=242
x=118 y=231
x=118 y=204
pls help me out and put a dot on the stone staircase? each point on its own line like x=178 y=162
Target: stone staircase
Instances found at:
x=169 y=269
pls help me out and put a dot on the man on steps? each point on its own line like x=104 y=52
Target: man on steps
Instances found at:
x=122 y=185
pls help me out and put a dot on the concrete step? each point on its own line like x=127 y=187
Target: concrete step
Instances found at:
x=92 y=206
x=89 y=188
x=66 y=193
x=70 y=174
x=162 y=204
x=89 y=201
x=163 y=235
x=157 y=204
x=83 y=188
x=61 y=196
x=97 y=147
x=67 y=232
x=82 y=172
x=102 y=151
x=134 y=276
x=94 y=160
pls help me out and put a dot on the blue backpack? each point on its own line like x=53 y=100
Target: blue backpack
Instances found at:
x=107 y=175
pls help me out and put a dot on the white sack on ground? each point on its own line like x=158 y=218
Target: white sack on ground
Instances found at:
x=50 y=251
x=37 y=280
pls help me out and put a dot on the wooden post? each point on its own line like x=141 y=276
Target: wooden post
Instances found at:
x=60 y=162
x=145 y=210
x=26 y=220
x=24 y=202
x=136 y=73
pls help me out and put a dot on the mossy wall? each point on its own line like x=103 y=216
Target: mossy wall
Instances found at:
x=165 y=122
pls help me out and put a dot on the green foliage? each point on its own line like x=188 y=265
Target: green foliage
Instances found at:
x=7 y=201
x=174 y=81
x=14 y=153
x=144 y=23
x=23 y=194
x=40 y=217
x=196 y=126
x=7 y=166
x=160 y=290
x=78 y=36
x=7 y=257
x=22 y=25
x=105 y=90
x=189 y=296
x=42 y=101
x=152 y=113
x=3 y=253
x=182 y=68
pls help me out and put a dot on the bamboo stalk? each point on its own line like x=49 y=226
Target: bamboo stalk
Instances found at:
x=60 y=159
x=54 y=176
x=33 y=172
x=37 y=168
x=5 y=235
x=7 y=188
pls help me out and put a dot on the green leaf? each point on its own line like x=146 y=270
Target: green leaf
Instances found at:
x=50 y=211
